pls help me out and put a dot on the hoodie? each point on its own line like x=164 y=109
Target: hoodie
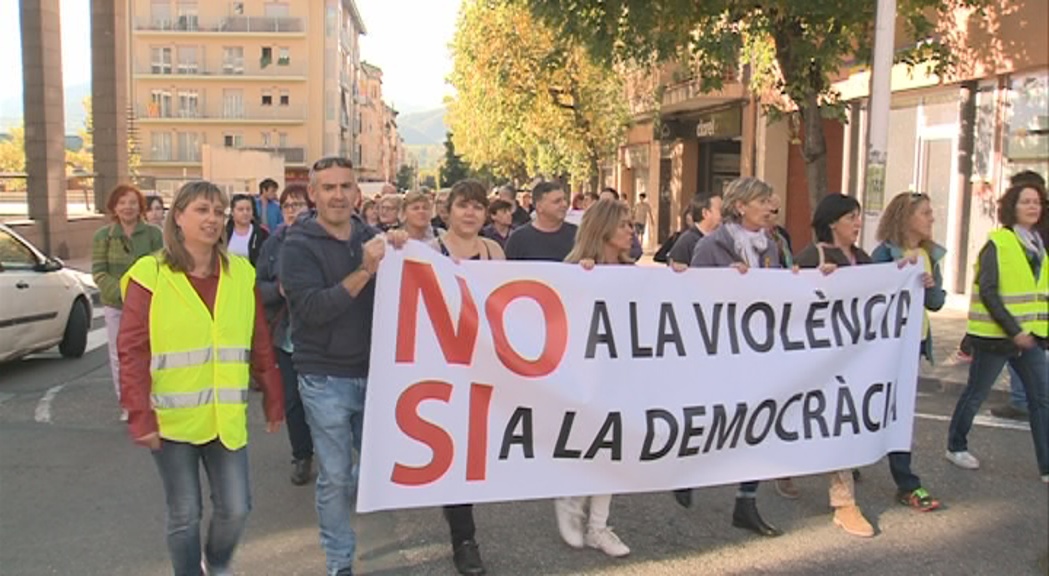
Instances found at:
x=330 y=329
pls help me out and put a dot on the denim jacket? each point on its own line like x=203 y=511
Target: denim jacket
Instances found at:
x=935 y=297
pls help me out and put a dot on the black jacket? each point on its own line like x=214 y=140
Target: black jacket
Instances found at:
x=258 y=238
x=330 y=330
x=268 y=284
x=810 y=256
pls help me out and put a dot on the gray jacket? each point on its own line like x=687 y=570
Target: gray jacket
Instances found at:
x=718 y=250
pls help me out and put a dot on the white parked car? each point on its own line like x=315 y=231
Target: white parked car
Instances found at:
x=42 y=304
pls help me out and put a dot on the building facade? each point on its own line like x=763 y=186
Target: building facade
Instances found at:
x=381 y=149
x=277 y=76
x=957 y=138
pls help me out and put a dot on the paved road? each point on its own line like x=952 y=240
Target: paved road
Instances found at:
x=76 y=497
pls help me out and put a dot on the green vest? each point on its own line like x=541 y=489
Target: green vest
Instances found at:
x=1025 y=297
x=200 y=362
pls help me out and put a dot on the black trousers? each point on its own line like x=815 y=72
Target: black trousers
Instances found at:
x=460 y=518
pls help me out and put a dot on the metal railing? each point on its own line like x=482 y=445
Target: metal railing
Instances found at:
x=172 y=155
x=253 y=68
x=292 y=155
x=147 y=112
x=253 y=24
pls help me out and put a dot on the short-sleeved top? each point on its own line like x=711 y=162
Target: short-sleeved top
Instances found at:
x=530 y=243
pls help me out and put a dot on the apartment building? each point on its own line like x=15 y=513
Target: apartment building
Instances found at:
x=278 y=76
x=381 y=148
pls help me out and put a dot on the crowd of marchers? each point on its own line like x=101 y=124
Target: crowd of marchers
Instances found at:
x=212 y=296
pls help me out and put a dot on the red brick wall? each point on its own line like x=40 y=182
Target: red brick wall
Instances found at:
x=799 y=210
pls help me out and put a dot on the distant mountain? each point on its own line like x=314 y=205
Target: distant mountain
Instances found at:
x=426 y=128
x=11 y=112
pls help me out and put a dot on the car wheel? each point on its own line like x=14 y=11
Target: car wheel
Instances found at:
x=74 y=342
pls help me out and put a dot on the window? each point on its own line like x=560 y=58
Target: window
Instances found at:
x=14 y=255
x=1026 y=130
x=187 y=60
x=233 y=103
x=161 y=104
x=282 y=139
x=267 y=140
x=187 y=15
x=267 y=57
x=233 y=140
x=277 y=10
x=233 y=60
x=237 y=8
x=189 y=146
x=160 y=14
x=160 y=145
x=267 y=98
x=285 y=98
x=189 y=104
x=283 y=56
x=160 y=58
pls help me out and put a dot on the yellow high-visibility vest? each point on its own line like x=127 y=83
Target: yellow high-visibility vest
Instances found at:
x=200 y=363
x=1024 y=296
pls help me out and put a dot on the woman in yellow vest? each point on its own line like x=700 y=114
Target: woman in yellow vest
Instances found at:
x=1009 y=323
x=192 y=326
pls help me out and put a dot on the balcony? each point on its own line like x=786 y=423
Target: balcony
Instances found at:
x=162 y=156
x=225 y=72
x=291 y=155
x=225 y=25
x=218 y=114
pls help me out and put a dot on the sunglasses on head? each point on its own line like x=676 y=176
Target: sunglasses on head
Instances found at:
x=332 y=162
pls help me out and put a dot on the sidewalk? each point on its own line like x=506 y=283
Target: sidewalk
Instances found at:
x=948 y=374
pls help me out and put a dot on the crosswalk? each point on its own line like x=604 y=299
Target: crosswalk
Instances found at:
x=96 y=338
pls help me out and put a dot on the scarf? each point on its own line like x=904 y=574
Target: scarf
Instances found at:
x=1032 y=244
x=749 y=245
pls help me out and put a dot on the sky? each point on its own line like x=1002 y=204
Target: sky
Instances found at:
x=408 y=39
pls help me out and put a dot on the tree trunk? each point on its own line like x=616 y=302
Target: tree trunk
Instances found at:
x=814 y=150
x=595 y=174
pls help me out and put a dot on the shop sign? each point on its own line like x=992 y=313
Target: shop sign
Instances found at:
x=721 y=124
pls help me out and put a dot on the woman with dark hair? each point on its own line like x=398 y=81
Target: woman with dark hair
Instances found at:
x=294 y=200
x=905 y=233
x=115 y=247
x=243 y=234
x=466 y=205
x=155 y=211
x=1009 y=323
x=836 y=224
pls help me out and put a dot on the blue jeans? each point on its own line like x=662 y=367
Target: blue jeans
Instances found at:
x=1030 y=366
x=227 y=470
x=294 y=413
x=335 y=413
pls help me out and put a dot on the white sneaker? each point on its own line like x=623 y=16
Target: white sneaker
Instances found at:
x=569 y=521
x=123 y=415
x=963 y=460
x=605 y=540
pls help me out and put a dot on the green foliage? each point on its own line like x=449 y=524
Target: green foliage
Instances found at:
x=12 y=158
x=527 y=99
x=453 y=169
x=405 y=177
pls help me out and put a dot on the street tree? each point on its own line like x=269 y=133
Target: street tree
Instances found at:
x=453 y=168
x=529 y=100
x=84 y=159
x=12 y=157
x=792 y=48
x=406 y=177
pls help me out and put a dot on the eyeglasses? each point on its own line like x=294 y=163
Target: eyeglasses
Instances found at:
x=916 y=196
x=293 y=206
x=330 y=162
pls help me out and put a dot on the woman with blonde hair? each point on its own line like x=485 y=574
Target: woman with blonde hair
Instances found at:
x=741 y=242
x=905 y=233
x=415 y=216
x=604 y=238
x=115 y=247
x=192 y=331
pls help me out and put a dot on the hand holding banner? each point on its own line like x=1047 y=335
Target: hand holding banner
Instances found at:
x=510 y=381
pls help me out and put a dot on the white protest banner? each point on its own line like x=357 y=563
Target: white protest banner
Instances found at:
x=495 y=381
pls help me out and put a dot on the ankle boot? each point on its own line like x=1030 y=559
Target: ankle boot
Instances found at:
x=746 y=516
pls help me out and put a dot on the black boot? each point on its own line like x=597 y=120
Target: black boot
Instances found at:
x=683 y=497
x=467 y=559
x=746 y=516
x=301 y=471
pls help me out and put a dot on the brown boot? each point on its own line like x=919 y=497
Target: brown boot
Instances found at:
x=851 y=520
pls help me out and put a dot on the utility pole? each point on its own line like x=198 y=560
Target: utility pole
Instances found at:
x=878 y=117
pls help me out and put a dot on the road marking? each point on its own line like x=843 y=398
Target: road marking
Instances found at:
x=43 y=407
x=97 y=312
x=987 y=421
x=96 y=339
